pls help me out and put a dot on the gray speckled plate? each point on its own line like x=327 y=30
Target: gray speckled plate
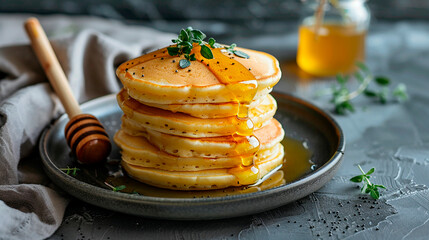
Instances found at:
x=301 y=120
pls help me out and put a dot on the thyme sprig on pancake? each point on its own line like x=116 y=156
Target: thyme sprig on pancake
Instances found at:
x=236 y=52
x=185 y=43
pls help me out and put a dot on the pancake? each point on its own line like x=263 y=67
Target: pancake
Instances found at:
x=206 y=110
x=204 y=126
x=225 y=146
x=187 y=126
x=205 y=179
x=152 y=78
x=138 y=151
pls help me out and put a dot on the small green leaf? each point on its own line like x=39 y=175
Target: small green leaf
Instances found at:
x=383 y=94
x=380 y=186
x=231 y=47
x=382 y=81
x=370 y=171
x=212 y=42
x=184 y=35
x=370 y=93
x=342 y=107
x=185 y=44
x=374 y=193
x=206 y=52
x=362 y=67
x=187 y=49
x=358 y=178
x=347 y=105
x=241 y=54
x=119 y=188
x=173 y=51
x=198 y=34
x=192 y=57
x=184 y=63
x=400 y=92
x=367 y=189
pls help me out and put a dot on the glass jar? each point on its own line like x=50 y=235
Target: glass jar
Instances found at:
x=333 y=40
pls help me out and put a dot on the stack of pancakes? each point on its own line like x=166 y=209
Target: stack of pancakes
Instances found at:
x=206 y=126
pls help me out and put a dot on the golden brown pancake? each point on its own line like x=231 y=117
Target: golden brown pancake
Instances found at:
x=205 y=179
x=224 y=146
x=153 y=79
x=187 y=126
x=206 y=110
x=139 y=152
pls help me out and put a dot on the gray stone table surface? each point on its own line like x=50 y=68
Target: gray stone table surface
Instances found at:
x=393 y=138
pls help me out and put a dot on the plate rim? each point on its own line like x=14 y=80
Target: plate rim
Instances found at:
x=131 y=198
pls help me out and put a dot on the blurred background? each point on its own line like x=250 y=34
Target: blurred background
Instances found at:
x=226 y=20
x=240 y=15
x=265 y=25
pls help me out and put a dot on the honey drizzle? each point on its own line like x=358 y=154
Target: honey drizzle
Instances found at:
x=242 y=85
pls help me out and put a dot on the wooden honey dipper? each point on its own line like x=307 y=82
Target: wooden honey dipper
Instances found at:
x=85 y=135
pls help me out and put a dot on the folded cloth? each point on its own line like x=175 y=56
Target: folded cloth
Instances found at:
x=89 y=50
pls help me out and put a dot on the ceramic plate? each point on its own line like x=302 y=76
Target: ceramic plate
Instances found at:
x=300 y=119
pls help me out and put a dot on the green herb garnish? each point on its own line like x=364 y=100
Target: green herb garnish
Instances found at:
x=117 y=188
x=236 y=52
x=69 y=170
x=367 y=187
x=185 y=43
x=341 y=95
x=213 y=43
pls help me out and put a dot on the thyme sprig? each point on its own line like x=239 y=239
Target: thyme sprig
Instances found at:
x=236 y=52
x=342 y=96
x=117 y=188
x=68 y=170
x=184 y=43
x=367 y=187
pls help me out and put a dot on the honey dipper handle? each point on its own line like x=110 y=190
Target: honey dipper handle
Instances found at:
x=50 y=64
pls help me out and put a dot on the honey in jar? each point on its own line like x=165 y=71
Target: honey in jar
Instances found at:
x=334 y=49
x=334 y=41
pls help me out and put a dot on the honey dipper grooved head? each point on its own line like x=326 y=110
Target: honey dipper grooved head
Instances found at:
x=87 y=139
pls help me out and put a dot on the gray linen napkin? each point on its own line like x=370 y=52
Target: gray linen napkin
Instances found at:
x=89 y=49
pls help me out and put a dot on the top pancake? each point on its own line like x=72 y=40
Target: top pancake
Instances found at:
x=152 y=78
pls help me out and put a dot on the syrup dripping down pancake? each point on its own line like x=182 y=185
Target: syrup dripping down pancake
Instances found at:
x=187 y=126
x=211 y=147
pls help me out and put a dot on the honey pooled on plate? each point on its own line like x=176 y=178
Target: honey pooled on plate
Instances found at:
x=297 y=163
